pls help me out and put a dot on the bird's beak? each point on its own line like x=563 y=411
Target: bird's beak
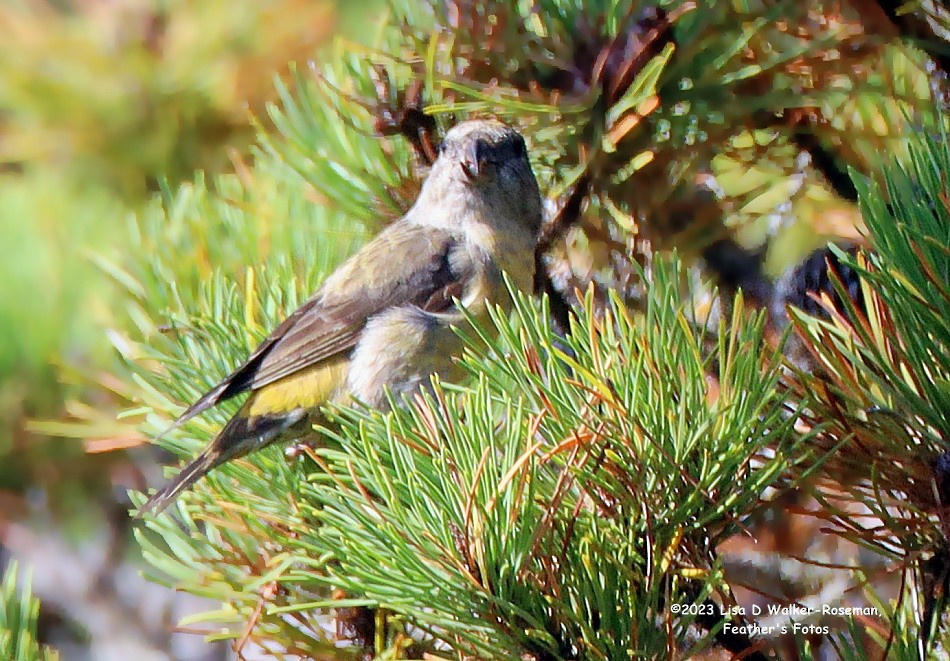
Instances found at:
x=474 y=162
x=470 y=164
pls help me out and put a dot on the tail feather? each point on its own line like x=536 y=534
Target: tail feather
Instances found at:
x=243 y=434
x=225 y=390
x=230 y=386
x=190 y=474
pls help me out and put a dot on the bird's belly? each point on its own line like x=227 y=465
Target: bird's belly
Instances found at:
x=400 y=349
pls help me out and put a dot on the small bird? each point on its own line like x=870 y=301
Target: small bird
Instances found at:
x=812 y=276
x=383 y=321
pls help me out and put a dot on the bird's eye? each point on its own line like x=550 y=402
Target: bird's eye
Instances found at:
x=482 y=152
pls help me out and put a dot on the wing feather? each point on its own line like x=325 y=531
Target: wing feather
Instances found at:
x=419 y=270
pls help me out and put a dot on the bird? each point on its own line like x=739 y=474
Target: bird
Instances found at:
x=811 y=278
x=737 y=267
x=382 y=324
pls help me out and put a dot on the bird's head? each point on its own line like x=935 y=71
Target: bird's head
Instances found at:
x=487 y=161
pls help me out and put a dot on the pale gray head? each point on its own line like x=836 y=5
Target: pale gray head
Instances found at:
x=483 y=165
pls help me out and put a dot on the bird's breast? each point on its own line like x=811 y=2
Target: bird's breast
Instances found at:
x=496 y=251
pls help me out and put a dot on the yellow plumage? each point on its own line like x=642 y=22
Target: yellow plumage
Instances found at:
x=309 y=388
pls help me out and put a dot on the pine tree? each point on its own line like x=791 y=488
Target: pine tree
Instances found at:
x=573 y=499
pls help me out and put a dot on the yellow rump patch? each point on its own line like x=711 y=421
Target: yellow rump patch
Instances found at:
x=308 y=388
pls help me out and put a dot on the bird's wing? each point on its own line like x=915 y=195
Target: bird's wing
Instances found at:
x=416 y=268
x=405 y=264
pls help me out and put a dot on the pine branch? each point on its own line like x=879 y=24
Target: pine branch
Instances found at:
x=882 y=365
x=491 y=548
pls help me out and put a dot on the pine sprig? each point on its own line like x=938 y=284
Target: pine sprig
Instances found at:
x=19 y=612
x=890 y=365
x=324 y=122
x=564 y=491
x=882 y=390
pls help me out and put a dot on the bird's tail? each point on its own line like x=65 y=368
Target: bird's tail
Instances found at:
x=190 y=474
x=242 y=435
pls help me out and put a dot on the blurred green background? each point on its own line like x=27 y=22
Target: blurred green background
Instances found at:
x=101 y=102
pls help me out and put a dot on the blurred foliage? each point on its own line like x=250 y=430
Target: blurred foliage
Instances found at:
x=99 y=101
x=125 y=93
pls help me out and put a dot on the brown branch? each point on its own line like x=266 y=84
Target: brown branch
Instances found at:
x=567 y=216
x=402 y=114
